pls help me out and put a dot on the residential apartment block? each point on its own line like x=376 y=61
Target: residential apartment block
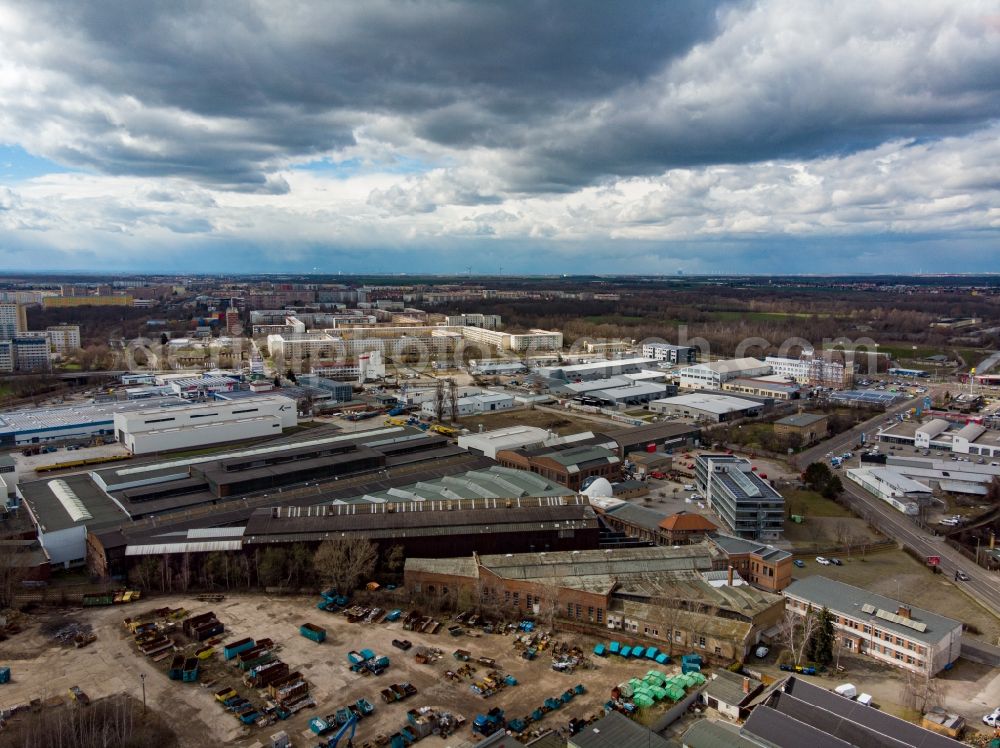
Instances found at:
x=814 y=370
x=64 y=338
x=13 y=320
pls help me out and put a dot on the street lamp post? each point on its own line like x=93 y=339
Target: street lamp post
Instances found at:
x=142 y=678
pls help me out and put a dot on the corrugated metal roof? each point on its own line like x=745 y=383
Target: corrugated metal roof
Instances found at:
x=199 y=547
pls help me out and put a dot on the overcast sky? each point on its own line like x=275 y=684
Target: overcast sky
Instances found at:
x=646 y=137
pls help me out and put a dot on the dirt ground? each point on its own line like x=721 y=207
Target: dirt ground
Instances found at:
x=561 y=423
x=111 y=664
x=895 y=574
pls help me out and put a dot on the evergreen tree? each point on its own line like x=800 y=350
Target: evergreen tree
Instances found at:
x=820 y=646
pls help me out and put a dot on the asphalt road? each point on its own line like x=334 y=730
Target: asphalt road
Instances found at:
x=844 y=442
x=983 y=585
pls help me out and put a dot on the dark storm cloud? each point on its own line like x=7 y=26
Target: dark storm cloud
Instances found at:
x=225 y=93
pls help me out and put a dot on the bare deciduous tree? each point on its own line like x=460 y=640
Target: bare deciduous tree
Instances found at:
x=344 y=562
x=13 y=570
x=795 y=631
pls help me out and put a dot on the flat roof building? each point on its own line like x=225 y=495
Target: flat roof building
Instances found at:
x=80 y=421
x=194 y=425
x=749 y=507
x=661 y=435
x=597 y=369
x=905 y=494
x=673 y=354
x=713 y=374
x=706 y=407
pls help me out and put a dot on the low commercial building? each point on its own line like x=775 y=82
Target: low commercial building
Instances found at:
x=614 y=730
x=468 y=405
x=763 y=566
x=488 y=443
x=776 y=388
x=650 y=525
x=646 y=593
x=810 y=426
x=887 y=630
x=708 y=408
x=159 y=429
x=712 y=375
x=662 y=436
x=607 y=347
x=567 y=464
x=958 y=436
x=749 y=506
x=340 y=392
x=796 y=713
x=905 y=494
x=637 y=393
x=731 y=694
x=682 y=528
x=673 y=354
x=80 y=421
x=596 y=369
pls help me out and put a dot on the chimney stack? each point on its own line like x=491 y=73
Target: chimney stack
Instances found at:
x=903 y=611
x=729 y=576
x=746 y=685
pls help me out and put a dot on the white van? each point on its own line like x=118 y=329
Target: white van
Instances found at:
x=865 y=699
x=847 y=690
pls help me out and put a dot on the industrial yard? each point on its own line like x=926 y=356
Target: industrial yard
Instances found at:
x=44 y=669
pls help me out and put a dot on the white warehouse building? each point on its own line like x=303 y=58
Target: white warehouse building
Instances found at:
x=711 y=376
x=485 y=402
x=183 y=427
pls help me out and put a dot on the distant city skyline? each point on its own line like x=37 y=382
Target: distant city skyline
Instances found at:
x=775 y=137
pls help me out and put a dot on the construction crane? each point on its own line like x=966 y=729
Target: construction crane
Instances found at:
x=352 y=724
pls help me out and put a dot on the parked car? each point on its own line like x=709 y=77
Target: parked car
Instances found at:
x=836 y=562
x=799 y=563
x=689 y=487
x=993 y=718
x=822 y=561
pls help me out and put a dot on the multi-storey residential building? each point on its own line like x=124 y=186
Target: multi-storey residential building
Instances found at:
x=296 y=347
x=812 y=369
x=64 y=338
x=674 y=354
x=884 y=629
x=487 y=321
x=103 y=300
x=535 y=340
x=23 y=297
x=712 y=375
x=31 y=352
x=749 y=507
x=6 y=356
x=13 y=320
